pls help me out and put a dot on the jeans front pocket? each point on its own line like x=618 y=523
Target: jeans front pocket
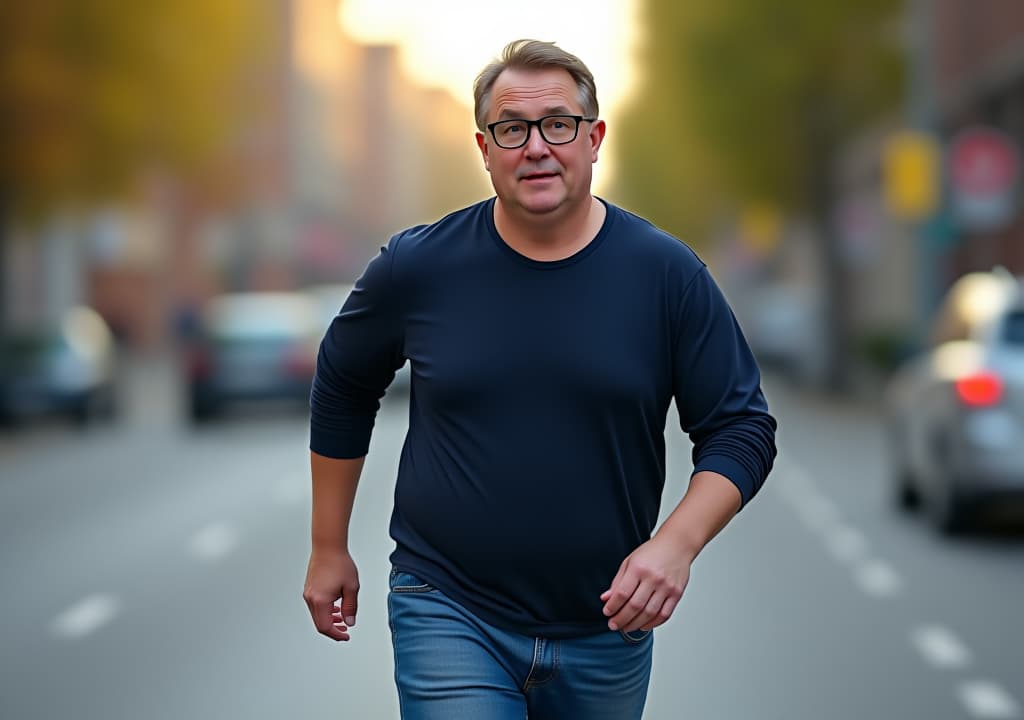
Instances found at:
x=401 y=581
x=634 y=637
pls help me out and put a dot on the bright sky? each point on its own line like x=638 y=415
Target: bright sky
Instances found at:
x=447 y=42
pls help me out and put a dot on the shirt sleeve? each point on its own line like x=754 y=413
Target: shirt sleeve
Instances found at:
x=358 y=357
x=717 y=388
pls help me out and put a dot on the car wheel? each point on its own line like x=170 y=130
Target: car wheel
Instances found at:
x=906 y=495
x=84 y=411
x=904 y=491
x=203 y=404
x=202 y=411
x=949 y=512
x=98 y=404
x=947 y=507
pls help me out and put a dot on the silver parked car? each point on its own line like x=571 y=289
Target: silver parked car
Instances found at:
x=251 y=346
x=956 y=413
x=329 y=300
x=66 y=366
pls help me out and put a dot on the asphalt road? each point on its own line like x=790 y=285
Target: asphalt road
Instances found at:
x=155 y=571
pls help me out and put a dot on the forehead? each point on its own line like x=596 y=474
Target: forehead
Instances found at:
x=521 y=93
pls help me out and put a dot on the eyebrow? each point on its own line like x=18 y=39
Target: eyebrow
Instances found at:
x=552 y=110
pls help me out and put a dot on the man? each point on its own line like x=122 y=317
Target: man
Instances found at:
x=547 y=333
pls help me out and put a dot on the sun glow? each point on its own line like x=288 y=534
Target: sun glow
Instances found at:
x=445 y=43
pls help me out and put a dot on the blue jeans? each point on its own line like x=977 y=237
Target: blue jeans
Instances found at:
x=450 y=665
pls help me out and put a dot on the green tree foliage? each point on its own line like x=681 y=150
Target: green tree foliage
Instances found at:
x=95 y=92
x=750 y=100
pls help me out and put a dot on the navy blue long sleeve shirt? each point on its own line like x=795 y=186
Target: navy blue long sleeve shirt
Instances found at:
x=535 y=457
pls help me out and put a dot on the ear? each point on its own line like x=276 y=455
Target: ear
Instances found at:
x=481 y=142
x=596 y=135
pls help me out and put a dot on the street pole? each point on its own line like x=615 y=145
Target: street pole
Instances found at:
x=923 y=117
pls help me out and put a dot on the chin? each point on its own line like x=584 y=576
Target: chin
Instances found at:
x=542 y=206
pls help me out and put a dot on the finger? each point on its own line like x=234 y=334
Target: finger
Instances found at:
x=667 y=608
x=323 y=610
x=337 y=632
x=632 y=608
x=620 y=592
x=350 y=604
x=644 y=619
x=618 y=576
x=322 y=614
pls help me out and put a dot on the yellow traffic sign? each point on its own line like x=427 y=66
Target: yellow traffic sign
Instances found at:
x=912 y=174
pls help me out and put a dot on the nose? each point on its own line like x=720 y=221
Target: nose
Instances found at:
x=535 y=146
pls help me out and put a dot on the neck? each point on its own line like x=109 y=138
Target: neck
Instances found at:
x=546 y=239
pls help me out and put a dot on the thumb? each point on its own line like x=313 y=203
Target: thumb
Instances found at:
x=349 y=605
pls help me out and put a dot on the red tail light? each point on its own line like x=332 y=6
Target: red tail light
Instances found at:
x=980 y=390
x=301 y=362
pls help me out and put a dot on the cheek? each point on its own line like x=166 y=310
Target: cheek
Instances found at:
x=503 y=165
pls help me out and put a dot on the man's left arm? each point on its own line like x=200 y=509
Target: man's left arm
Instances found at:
x=723 y=410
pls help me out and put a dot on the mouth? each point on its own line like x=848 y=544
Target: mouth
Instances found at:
x=539 y=176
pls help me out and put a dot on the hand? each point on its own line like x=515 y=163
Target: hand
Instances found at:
x=647 y=587
x=332 y=576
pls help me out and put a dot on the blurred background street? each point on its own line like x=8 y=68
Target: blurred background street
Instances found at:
x=151 y=570
x=189 y=188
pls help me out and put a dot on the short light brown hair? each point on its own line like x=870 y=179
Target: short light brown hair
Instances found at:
x=533 y=55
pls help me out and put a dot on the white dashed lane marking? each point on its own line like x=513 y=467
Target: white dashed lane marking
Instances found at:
x=940 y=647
x=86 y=616
x=984 y=699
x=846 y=544
x=817 y=512
x=878 y=579
x=213 y=542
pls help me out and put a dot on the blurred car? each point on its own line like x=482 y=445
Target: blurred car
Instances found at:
x=956 y=412
x=67 y=367
x=783 y=326
x=251 y=346
x=329 y=299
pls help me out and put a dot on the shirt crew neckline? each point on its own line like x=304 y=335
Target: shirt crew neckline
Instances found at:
x=549 y=264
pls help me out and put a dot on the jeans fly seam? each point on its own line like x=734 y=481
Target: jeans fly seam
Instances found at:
x=530 y=682
x=538 y=649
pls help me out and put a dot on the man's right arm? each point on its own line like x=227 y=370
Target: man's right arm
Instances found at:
x=332 y=574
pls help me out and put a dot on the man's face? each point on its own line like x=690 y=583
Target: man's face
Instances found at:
x=539 y=178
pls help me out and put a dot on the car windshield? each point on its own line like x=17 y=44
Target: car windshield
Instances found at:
x=270 y=317
x=1013 y=328
x=27 y=352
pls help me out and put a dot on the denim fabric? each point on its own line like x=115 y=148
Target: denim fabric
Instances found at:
x=450 y=665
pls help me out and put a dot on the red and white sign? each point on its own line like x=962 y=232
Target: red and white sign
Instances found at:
x=983 y=168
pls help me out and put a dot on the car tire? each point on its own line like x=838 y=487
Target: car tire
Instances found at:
x=904 y=490
x=201 y=409
x=947 y=506
x=98 y=404
x=949 y=512
x=905 y=494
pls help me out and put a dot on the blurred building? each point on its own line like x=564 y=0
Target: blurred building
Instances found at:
x=341 y=151
x=978 y=52
x=971 y=76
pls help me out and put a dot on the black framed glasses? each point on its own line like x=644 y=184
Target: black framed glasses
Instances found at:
x=554 y=129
